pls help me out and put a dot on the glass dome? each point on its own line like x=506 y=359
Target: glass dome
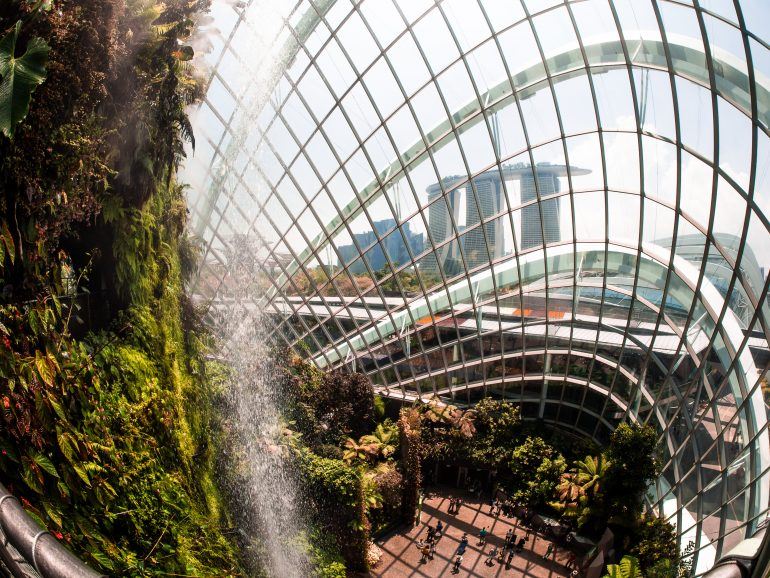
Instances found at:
x=560 y=203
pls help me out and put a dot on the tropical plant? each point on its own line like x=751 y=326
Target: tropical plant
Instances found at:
x=535 y=470
x=384 y=440
x=580 y=491
x=20 y=75
x=627 y=568
x=663 y=568
x=440 y=413
x=498 y=430
x=358 y=451
x=631 y=453
x=654 y=540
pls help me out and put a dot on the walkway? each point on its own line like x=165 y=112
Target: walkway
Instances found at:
x=401 y=557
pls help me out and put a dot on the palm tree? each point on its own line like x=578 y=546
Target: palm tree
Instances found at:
x=590 y=473
x=580 y=489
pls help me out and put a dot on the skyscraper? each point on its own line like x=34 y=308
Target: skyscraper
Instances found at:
x=544 y=178
x=532 y=233
x=481 y=205
x=392 y=242
x=441 y=213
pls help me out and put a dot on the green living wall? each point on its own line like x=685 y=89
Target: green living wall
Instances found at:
x=106 y=433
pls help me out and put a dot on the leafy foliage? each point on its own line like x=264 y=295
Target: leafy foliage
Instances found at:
x=336 y=492
x=327 y=407
x=498 y=430
x=107 y=434
x=655 y=545
x=631 y=454
x=535 y=470
x=21 y=75
x=409 y=428
x=627 y=568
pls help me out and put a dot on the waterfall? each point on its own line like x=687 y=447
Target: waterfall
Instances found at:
x=261 y=485
x=265 y=491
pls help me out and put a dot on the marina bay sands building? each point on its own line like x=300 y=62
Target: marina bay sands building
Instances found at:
x=563 y=204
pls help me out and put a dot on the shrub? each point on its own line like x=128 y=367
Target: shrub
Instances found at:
x=533 y=463
x=497 y=432
x=410 y=442
x=631 y=454
x=654 y=540
x=336 y=492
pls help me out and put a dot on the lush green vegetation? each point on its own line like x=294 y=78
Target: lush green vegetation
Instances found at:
x=106 y=431
x=344 y=452
x=555 y=473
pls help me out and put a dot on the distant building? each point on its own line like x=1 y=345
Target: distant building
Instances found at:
x=392 y=243
x=533 y=231
x=487 y=241
x=442 y=212
x=485 y=198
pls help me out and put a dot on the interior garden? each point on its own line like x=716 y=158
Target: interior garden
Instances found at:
x=115 y=429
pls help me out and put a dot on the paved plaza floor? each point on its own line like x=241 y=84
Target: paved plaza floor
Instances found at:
x=401 y=556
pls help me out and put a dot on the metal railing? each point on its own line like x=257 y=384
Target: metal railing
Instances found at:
x=748 y=559
x=27 y=551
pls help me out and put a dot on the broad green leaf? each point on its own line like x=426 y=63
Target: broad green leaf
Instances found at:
x=43 y=369
x=627 y=568
x=66 y=446
x=103 y=559
x=63 y=489
x=45 y=463
x=57 y=407
x=30 y=477
x=20 y=77
x=53 y=512
x=81 y=472
x=36 y=517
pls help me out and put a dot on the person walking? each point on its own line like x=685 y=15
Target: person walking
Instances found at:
x=509 y=560
x=492 y=506
x=464 y=540
x=458 y=561
x=549 y=550
x=491 y=558
x=520 y=545
x=483 y=536
x=508 y=538
x=425 y=551
x=439 y=529
x=432 y=552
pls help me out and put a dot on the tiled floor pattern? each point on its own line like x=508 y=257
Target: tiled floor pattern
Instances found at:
x=401 y=556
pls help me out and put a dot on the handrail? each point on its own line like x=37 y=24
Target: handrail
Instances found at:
x=745 y=560
x=26 y=550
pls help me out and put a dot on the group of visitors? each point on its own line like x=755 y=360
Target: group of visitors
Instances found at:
x=427 y=547
x=509 y=549
x=505 y=507
x=504 y=554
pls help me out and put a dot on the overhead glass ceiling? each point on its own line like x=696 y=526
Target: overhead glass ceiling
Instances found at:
x=560 y=203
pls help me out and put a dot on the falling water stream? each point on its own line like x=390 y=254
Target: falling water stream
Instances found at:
x=265 y=493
